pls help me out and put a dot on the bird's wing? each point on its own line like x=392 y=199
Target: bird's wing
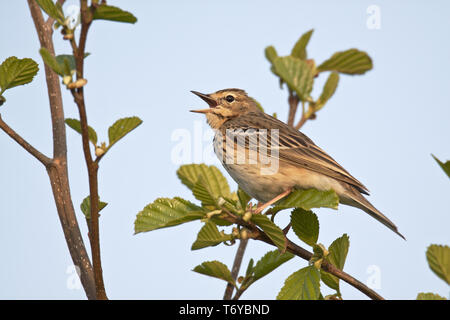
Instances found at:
x=296 y=148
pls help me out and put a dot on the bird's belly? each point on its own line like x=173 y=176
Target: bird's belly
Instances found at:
x=265 y=187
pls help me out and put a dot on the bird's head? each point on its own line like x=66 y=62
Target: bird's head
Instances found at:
x=226 y=104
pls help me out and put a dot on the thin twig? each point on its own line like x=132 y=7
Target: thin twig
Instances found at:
x=46 y=161
x=235 y=269
x=92 y=166
x=293 y=101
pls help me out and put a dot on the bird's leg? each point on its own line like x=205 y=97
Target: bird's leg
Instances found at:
x=259 y=209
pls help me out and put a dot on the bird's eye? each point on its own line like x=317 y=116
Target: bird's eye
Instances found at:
x=229 y=98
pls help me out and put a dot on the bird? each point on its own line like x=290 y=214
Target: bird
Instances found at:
x=237 y=119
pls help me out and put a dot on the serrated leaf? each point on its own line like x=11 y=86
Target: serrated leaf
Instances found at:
x=438 y=257
x=305 y=225
x=51 y=62
x=86 y=206
x=429 y=296
x=215 y=269
x=308 y=199
x=269 y=262
x=445 y=166
x=271 y=229
x=215 y=181
x=121 y=128
x=165 y=212
x=76 y=125
x=337 y=254
x=299 y=50
x=296 y=73
x=51 y=10
x=15 y=72
x=328 y=89
x=301 y=285
x=351 y=61
x=106 y=12
x=270 y=53
x=209 y=236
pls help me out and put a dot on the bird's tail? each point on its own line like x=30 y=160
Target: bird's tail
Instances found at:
x=359 y=201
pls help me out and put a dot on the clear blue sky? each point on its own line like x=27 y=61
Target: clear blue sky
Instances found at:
x=382 y=127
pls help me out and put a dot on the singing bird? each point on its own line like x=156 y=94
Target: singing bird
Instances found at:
x=300 y=164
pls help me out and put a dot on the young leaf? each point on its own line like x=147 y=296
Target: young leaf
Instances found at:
x=164 y=212
x=70 y=60
x=106 y=12
x=121 y=128
x=445 y=166
x=271 y=53
x=296 y=73
x=51 y=10
x=189 y=175
x=51 y=62
x=209 y=236
x=351 y=61
x=15 y=72
x=429 y=296
x=337 y=254
x=438 y=257
x=76 y=125
x=328 y=89
x=244 y=198
x=305 y=225
x=271 y=229
x=299 y=50
x=86 y=206
x=308 y=199
x=215 y=269
x=249 y=270
x=269 y=262
x=301 y=285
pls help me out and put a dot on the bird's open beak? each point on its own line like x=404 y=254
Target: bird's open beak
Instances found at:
x=210 y=101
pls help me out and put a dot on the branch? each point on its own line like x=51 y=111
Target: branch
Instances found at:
x=58 y=172
x=235 y=269
x=293 y=101
x=28 y=147
x=92 y=166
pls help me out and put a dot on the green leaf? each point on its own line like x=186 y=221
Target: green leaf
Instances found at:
x=164 y=212
x=121 y=128
x=76 y=125
x=351 y=61
x=51 y=62
x=209 y=236
x=429 y=296
x=299 y=50
x=106 y=12
x=215 y=269
x=438 y=257
x=250 y=266
x=215 y=181
x=244 y=198
x=328 y=89
x=337 y=254
x=305 y=225
x=271 y=229
x=270 y=53
x=308 y=199
x=15 y=72
x=86 y=206
x=296 y=73
x=444 y=166
x=68 y=59
x=52 y=10
x=269 y=262
x=301 y=285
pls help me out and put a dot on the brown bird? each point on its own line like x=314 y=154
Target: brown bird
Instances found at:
x=295 y=162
